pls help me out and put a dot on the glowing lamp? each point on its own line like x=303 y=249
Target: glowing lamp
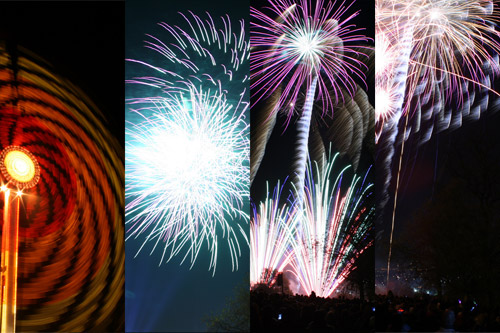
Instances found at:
x=19 y=167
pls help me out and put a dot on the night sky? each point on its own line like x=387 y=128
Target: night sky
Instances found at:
x=429 y=169
x=426 y=172
x=84 y=42
x=171 y=297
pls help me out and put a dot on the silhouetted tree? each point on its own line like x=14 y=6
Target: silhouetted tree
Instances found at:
x=454 y=239
x=235 y=317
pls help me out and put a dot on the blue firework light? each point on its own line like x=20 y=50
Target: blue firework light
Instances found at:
x=187 y=140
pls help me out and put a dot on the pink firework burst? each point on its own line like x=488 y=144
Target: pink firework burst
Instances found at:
x=298 y=44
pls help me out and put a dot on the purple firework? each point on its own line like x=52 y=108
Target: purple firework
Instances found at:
x=300 y=44
x=309 y=47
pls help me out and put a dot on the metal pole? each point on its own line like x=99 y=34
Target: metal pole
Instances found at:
x=10 y=241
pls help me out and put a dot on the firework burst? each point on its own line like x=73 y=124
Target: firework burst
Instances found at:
x=304 y=44
x=306 y=47
x=187 y=142
x=204 y=52
x=441 y=75
x=448 y=43
x=451 y=42
x=271 y=228
x=333 y=231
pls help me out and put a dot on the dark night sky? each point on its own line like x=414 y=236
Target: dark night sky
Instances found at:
x=425 y=171
x=84 y=42
x=428 y=170
x=171 y=297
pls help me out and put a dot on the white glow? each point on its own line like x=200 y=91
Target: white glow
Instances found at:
x=383 y=58
x=384 y=103
x=186 y=172
x=308 y=47
x=435 y=14
x=19 y=165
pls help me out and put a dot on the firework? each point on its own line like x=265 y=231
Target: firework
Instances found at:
x=270 y=234
x=451 y=42
x=334 y=229
x=451 y=45
x=305 y=47
x=187 y=142
x=186 y=173
x=441 y=74
x=208 y=52
x=304 y=44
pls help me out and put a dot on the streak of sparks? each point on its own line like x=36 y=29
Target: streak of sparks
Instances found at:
x=334 y=230
x=301 y=44
x=187 y=150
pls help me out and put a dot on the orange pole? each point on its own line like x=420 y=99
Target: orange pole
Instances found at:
x=10 y=241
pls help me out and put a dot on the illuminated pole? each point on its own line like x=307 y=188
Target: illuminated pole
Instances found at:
x=10 y=235
x=20 y=169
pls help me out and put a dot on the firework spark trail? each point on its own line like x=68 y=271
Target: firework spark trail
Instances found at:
x=392 y=108
x=452 y=44
x=204 y=51
x=306 y=46
x=333 y=231
x=301 y=149
x=271 y=229
x=187 y=142
x=301 y=44
x=451 y=52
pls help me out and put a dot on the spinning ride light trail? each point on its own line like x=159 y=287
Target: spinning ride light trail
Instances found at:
x=20 y=170
x=71 y=242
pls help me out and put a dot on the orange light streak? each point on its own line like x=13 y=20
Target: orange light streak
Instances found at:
x=10 y=241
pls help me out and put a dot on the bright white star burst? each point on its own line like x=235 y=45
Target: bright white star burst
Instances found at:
x=187 y=172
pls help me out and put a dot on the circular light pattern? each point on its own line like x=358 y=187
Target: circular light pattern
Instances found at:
x=19 y=167
x=71 y=230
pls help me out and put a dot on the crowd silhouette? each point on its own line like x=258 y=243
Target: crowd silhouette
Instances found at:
x=278 y=312
x=282 y=312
